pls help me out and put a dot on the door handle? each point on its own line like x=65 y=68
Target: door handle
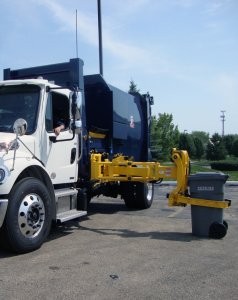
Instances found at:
x=73 y=155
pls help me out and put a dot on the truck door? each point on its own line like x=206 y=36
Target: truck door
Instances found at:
x=60 y=157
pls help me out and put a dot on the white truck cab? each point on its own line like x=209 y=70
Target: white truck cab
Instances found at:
x=31 y=153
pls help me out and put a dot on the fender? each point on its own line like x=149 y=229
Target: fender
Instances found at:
x=3 y=210
x=23 y=168
x=11 y=175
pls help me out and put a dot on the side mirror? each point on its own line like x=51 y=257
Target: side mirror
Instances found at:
x=76 y=104
x=79 y=99
x=20 y=127
x=78 y=126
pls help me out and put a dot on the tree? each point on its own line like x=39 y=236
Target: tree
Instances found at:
x=202 y=136
x=235 y=148
x=133 y=88
x=154 y=142
x=199 y=148
x=164 y=136
x=186 y=143
x=229 y=141
x=215 y=148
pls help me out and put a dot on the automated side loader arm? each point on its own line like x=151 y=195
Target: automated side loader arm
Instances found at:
x=122 y=168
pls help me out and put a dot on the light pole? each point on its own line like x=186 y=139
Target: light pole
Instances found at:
x=100 y=38
x=223 y=122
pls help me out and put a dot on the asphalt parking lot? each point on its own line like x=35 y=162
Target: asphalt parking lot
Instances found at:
x=115 y=253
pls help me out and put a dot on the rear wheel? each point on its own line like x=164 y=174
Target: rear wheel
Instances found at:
x=217 y=230
x=137 y=194
x=28 y=217
x=225 y=224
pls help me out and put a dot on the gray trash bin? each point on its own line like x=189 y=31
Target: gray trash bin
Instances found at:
x=207 y=221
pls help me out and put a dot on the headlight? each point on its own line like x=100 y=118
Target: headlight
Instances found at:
x=2 y=175
x=9 y=145
x=3 y=146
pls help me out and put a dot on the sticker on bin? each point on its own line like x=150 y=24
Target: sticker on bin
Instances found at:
x=168 y=172
x=205 y=188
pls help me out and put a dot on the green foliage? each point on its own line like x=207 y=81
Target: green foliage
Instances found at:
x=164 y=136
x=199 y=148
x=133 y=88
x=215 y=148
x=229 y=141
x=224 y=166
x=186 y=143
x=235 y=148
x=204 y=166
x=202 y=136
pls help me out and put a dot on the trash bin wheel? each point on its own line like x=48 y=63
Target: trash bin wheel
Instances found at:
x=225 y=224
x=217 y=230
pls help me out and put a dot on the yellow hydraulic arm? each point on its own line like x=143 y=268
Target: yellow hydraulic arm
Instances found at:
x=123 y=169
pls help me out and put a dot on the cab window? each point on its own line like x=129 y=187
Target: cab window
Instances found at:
x=57 y=111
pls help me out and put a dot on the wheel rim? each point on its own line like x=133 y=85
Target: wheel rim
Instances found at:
x=149 y=191
x=31 y=215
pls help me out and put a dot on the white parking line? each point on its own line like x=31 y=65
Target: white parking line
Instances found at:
x=178 y=211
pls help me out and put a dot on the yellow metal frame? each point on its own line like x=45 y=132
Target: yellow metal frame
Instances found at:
x=204 y=202
x=97 y=135
x=123 y=169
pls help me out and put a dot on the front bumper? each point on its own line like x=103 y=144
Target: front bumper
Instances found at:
x=3 y=210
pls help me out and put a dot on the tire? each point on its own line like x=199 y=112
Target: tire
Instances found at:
x=138 y=195
x=29 y=216
x=217 y=230
x=128 y=194
x=225 y=224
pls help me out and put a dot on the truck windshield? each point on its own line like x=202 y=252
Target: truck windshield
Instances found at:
x=18 y=101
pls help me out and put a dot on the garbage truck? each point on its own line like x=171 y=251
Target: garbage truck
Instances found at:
x=103 y=148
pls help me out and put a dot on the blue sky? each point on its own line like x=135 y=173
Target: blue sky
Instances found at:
x=184 y=52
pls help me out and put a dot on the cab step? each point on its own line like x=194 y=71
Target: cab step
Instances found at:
x=70 y=215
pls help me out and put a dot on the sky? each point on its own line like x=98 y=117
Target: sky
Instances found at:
x=183 y=52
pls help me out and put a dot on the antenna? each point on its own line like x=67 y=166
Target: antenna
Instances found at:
x=76 y=27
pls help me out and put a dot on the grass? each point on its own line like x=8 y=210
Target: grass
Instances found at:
x=204 y=166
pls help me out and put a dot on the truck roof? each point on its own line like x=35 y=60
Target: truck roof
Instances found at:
x=67 y=74
x=25 y=81
x=39 y=82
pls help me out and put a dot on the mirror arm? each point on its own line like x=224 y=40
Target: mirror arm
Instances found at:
x=33 y=155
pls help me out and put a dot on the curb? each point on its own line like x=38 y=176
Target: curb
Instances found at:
x=231 y=183
x=173 y=183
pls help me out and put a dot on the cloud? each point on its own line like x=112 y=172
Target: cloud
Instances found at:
x=87 y=30
x=67 y=18
x=130 y=8
x=185 y=3
x=225 y=86
x=116 y=43
x=215 y=6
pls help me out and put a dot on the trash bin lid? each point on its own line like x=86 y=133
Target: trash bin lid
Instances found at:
x=208 y=176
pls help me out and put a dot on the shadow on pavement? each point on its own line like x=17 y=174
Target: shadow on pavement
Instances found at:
x=106 y=208
x=64 y=229
x=126 y=233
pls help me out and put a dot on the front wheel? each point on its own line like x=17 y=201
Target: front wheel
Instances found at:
x=28 y=218
x=138 y=195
